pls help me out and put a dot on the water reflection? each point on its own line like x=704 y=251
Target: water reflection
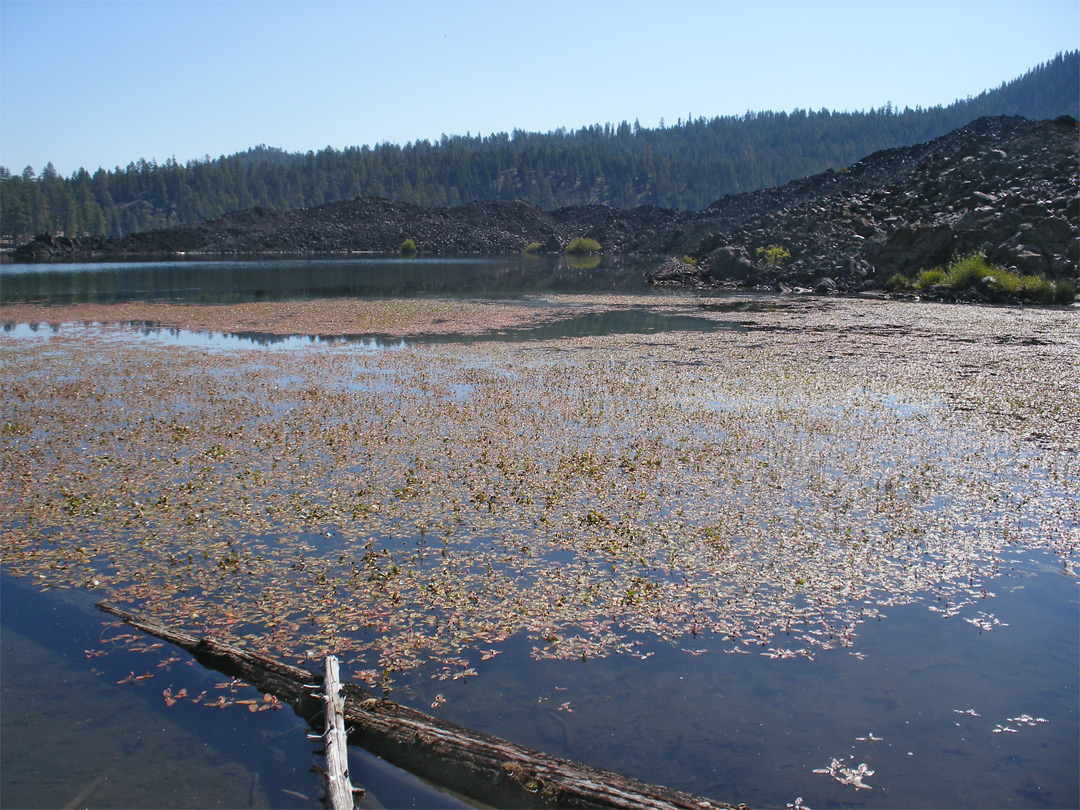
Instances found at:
x=261 y=340
x=627 y=321
x=261 y=279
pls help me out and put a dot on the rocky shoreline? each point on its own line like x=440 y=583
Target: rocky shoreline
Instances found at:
x=1006 y=186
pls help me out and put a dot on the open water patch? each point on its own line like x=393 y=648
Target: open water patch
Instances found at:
x=196 y=339
x=206 y=280
x=618 y=321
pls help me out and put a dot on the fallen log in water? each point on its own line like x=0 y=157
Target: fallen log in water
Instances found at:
x=477 y=765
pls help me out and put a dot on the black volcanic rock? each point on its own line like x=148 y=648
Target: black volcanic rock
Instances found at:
x=1009 y=187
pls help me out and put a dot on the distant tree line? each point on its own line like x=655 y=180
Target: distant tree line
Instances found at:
x=685 y=166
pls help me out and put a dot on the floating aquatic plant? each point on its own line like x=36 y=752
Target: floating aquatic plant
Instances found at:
x=412 y=510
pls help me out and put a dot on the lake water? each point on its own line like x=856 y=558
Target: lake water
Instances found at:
x=944 y=658
x=236 y=281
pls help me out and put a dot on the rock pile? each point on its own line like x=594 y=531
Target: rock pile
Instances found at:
x=366 y=224
x=1007 y=187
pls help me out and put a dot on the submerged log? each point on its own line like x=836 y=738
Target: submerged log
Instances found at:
x=477 y=765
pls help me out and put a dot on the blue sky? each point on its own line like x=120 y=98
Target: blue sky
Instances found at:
x=104 y=83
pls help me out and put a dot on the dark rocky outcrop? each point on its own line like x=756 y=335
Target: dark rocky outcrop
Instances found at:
x=1008 y=187
x=361 y=225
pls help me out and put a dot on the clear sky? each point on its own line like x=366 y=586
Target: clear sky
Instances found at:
x=103 y=83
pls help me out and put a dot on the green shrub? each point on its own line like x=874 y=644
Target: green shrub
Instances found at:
x=969 y=271
x=966 y=272
x=974 y=272
x=775 y=255
x=1065 y=291
x=408 y=248
x=929 y=278
x=1038 y=288
x=581 y=245
x=897 y=282
x=688 y=259
x=532 y=247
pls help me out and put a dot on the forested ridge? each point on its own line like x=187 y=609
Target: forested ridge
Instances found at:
x=686 y=166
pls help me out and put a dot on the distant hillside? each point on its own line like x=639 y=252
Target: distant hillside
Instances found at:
x=685 y=167
x=1008 y=187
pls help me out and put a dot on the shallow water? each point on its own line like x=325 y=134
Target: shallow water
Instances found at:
x=840 y=563
x=715 y=723
x=73 y=736
x=724 y=724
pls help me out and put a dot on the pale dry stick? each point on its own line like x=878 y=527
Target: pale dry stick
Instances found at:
x=339 y=789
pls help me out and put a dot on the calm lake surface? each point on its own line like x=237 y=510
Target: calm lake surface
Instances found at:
x=236 y=281
x=836 y=569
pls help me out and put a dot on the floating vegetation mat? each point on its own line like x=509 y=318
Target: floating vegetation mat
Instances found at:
x=764 y=491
